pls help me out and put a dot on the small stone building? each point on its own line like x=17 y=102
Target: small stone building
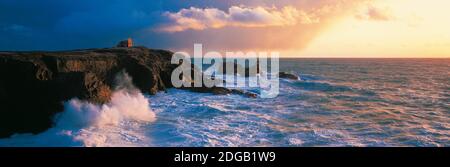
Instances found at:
x=125 y=43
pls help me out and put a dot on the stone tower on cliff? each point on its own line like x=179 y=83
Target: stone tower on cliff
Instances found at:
x=125 y=43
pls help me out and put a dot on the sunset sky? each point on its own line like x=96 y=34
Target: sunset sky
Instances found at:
x=296 y=28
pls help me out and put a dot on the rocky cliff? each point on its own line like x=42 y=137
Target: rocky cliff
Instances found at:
x=34 y=85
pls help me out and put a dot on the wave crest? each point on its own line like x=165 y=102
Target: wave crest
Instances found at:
x=123 y=105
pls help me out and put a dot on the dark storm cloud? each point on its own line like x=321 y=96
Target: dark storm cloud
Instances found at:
x=70 y=24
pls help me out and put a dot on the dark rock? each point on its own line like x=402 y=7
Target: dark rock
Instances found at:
x=196 y=72
x=288 y=76
x=244 y=93
x=222 y=91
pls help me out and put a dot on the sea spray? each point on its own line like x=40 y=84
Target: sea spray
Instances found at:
x=123 y=105
x=85 y=124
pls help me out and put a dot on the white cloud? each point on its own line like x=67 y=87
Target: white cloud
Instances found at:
x=236 y=16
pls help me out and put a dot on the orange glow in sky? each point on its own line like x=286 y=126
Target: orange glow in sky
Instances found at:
x=391 y=28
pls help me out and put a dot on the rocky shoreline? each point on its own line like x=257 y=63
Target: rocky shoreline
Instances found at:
x=34 y=85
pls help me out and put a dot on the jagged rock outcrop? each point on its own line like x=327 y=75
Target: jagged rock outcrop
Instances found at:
x=196 y=72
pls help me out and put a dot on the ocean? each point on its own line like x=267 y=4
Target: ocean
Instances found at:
x=336 y=102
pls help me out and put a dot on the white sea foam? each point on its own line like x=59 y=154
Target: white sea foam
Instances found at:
x=86 y=124
x=124 y=105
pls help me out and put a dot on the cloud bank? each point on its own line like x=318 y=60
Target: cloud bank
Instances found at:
x=251 y=26
x=236 y=16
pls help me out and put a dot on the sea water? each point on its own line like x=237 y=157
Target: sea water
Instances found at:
x=336 y=102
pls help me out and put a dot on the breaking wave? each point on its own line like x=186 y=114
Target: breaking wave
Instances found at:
x=123 y=106
x=86 y=124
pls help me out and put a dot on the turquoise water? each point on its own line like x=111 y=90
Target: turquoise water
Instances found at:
x=337 y=102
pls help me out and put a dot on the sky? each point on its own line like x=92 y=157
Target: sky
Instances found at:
x=295 y=28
